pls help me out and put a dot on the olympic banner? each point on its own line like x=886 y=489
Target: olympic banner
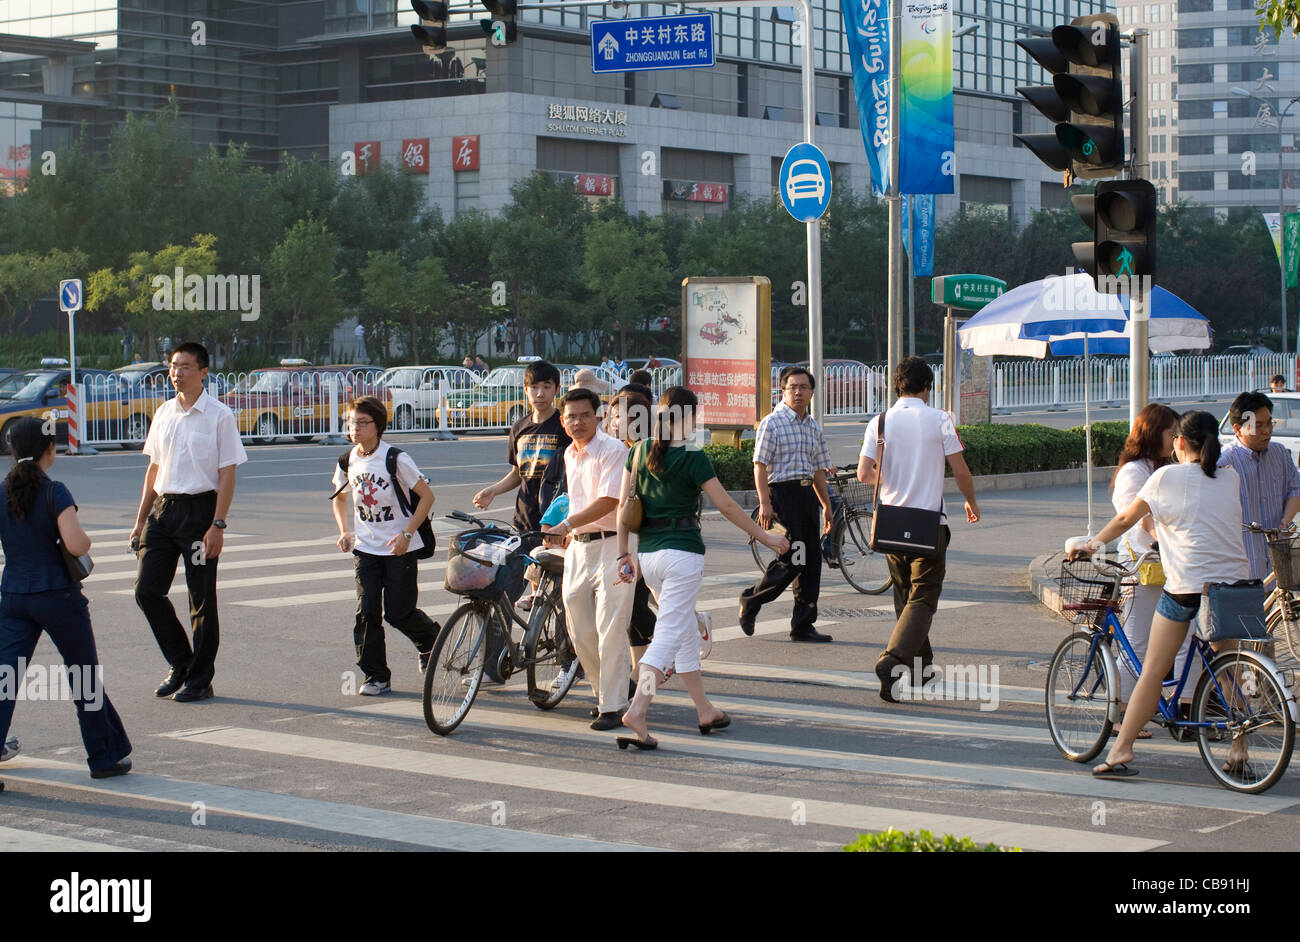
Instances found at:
x=866 y=25
x=928 y=144
x=922 y=212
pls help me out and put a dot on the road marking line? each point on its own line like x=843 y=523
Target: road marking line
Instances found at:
x=614 y=790
x=13 y=839
x=338 y=818
x=1074 y=782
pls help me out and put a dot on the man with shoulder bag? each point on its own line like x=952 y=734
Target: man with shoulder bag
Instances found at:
x=910 y=526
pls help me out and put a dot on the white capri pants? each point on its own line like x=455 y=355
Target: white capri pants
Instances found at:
x=1136 y=617
x=674 y=576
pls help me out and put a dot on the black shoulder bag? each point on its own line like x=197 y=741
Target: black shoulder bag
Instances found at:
x=406 y=503
x=79 y=567
x=904 y=530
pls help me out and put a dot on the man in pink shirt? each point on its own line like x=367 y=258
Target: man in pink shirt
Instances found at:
x=597 y=606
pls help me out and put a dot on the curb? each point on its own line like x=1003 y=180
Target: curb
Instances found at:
x=1044 y=582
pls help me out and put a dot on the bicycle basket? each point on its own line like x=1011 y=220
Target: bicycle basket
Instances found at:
x=1085 y=593
x=855 y=494
x=1285 y=554
x=484 y=564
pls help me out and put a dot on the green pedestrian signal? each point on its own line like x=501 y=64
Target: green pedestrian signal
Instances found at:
x=1125 y=262
x=1122 y=254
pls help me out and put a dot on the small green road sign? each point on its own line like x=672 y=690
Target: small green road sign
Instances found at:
x=966 y=292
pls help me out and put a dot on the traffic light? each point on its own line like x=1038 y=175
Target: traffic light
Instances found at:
x=501 y=29
x=1122 y=216
x=1085 y=100
x=431 y=31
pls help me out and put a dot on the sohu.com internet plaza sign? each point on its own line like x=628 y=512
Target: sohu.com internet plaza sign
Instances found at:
x=661 y=42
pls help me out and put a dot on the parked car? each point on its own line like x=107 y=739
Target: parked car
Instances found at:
x=1286 y=423
x=414 y=391
x=1247 y=350
x=498 y=400
x=296 y=400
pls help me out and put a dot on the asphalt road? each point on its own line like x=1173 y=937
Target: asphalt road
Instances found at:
x=283 y=758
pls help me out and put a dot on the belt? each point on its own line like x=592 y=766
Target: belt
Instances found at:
x=588 y=537
x=802 y=482
x=670 y=523
x=189 y=496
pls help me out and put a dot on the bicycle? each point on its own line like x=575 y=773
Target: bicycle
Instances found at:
x=1240 y=697
x=863 y=569
x=486 y=564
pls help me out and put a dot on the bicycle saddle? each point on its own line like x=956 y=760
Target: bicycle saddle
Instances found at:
x=551 y=561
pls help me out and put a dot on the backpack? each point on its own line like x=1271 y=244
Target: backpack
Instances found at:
x=406 y=503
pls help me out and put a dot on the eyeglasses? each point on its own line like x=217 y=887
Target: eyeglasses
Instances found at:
x=798 y=387
x=358 y=423
x=580 y=417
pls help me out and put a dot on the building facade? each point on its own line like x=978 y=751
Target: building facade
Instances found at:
x=332 y=78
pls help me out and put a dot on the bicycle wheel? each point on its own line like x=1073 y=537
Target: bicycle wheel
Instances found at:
x=1079 y=697
x=1239 y=690
x=763 y=555
x=455 y=669
x=864 y=569
x=552 y=662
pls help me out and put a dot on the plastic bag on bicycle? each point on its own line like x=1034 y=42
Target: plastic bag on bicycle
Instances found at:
x=483 y=564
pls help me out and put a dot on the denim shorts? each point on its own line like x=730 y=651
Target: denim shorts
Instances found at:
x=1179 y=607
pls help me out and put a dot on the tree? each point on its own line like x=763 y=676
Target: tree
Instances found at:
x=1279 y=16
x=25 y=278
x=302 y=295
x=409 y=298
x=156 y=293
x=624 y=270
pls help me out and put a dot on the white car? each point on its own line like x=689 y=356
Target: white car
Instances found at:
x=415 y=390
x=1286 y=423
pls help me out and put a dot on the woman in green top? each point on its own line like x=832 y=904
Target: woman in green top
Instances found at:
x=670 y=474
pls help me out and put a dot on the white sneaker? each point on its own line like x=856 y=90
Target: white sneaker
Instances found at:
x=374 y=689
x=704 y=622
x=10 y=749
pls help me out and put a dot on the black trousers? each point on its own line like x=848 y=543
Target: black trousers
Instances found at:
x=797 y=508
x=387 y=589
x=65 y=615
x=175 y=531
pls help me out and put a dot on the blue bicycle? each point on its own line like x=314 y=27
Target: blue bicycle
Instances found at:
x=1242 y=712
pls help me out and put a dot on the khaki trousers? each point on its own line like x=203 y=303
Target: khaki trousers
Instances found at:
x=597 y=609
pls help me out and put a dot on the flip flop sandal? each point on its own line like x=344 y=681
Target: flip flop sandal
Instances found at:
x=1118 y=770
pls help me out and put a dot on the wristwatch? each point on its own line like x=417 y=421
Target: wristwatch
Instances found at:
x=219 y=524
x=407 y=535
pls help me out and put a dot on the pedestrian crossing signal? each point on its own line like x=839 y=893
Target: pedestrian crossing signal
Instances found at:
x=431 y=31
x=501 y=29
x=1122 y=217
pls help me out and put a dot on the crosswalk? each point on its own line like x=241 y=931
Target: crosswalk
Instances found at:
x=804 y=746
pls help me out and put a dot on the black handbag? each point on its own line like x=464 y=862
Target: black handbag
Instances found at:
x=79 y=567
x=1233 y=611
x=909 y=531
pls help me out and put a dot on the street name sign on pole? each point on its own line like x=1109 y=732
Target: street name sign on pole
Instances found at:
x=660 y=42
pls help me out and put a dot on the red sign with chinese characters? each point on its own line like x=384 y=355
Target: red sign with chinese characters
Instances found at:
x=593 y=184
x=415 y=155
x=708 y=193
x=367 y=153
x=464 y=152
x=727 y=389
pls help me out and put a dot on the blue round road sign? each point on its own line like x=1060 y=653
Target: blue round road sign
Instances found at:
x=805 y=182
x=70 y=294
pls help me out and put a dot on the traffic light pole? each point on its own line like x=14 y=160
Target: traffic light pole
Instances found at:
x=1139 y=351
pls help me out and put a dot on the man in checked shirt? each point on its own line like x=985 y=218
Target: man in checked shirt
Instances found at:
x=790 y=462
x=1270 y=482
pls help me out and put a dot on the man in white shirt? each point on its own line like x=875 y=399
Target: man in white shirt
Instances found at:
x=597 y=605
x=918 y=439
x=193 y=448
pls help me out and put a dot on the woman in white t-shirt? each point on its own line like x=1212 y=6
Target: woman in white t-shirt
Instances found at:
x=1197 y=512
x=1149 y=446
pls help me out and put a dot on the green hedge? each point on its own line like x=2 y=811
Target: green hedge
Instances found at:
x=990 y=449
x=892 y=841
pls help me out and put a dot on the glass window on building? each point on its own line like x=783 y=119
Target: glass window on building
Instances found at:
x=1265 y=180
x=985 y=195
x=467 y=191
x=696 y=183
x=590 y=167
x=1196 y=145
x=1197 y=181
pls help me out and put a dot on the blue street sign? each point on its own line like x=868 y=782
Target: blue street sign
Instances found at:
x=661 y=42
x=805 y=182
x=70 y=295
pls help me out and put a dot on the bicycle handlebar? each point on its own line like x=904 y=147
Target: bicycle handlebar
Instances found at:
x=1272 y=532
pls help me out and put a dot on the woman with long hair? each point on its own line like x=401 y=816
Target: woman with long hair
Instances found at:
x=37 y=594
x=670 y=474
x=1149 y=447
x=1197 y=512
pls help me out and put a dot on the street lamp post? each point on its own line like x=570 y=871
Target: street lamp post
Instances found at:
x=1281 y=203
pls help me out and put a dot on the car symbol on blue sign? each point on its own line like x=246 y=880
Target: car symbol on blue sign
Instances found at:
x=805 y=182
